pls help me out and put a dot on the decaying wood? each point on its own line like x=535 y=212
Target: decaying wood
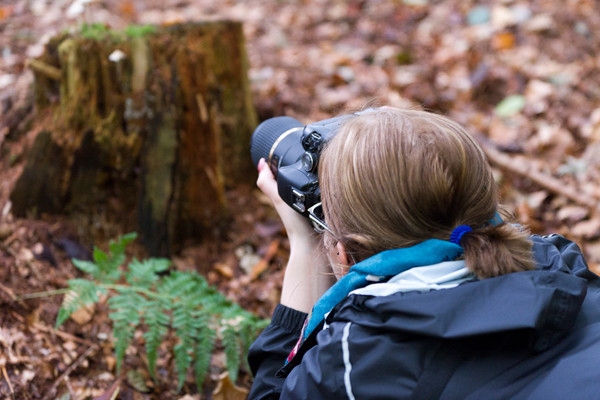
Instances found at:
x=148 y=141
x=545 y=181
x=49 y=70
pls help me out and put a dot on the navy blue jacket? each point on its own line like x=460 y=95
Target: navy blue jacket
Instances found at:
x=526 y=335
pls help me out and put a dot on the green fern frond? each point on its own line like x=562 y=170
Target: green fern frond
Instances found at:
x=123 y=335
x=107 y=264
x=185 y=330
x=118 y=247
x=183 y=359
x=203 y=351
x=81 y=293
x=232 y=351
x=157 y=321
x=126 y=306
x=87 y=266
x=144 y=273
x=179 y=302
x=174 y=284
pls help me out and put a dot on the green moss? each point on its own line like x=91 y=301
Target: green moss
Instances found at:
x=100 y=31
x=139 y=30
x=94 y=31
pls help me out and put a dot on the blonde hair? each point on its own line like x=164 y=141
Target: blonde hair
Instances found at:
x=393 y=178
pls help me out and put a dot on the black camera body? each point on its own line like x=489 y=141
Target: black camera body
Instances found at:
x=292 y=151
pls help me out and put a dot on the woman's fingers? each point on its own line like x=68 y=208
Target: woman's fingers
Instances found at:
x=295 y=224
x=266 y=181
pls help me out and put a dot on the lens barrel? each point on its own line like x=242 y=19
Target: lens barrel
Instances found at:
x=267 y=133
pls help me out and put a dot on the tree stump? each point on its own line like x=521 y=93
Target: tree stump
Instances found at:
x=144 y=130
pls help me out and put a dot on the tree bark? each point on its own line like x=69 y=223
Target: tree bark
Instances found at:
x=149 y=141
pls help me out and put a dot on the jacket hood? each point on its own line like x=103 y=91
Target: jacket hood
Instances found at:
x=540 y=305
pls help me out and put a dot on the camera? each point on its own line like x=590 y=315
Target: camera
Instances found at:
x=292 y=151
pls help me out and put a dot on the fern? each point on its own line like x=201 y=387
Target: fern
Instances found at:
x=144 y=296
x=185 y=331
x=202 y=352
x=232 y=351
x=81 y=293
x=127 y=307
x=105 y=267
x=157 y=322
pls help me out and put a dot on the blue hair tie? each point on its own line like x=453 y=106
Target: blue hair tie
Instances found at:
x=458 y=233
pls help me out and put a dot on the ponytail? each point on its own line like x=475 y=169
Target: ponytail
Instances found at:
x=497 y=250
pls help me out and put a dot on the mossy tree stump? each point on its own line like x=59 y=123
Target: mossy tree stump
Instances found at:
x=147 y=131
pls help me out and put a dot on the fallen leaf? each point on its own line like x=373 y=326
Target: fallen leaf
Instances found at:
x=5 y=231
x=111 y=393
x=135 y=378
x=227 y=390
x=27 y=376
x=588 y=229
x=572 y=214
x=6 y=12
x=127 y=9
x=262 y=265
x=224 y=269
x=503 y=41
x=84 y=315
x=111 y=362
x=510 y=106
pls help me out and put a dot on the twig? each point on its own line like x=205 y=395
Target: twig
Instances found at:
x=68 y=371
x=12 y=392
x=9 y=292
x=64 y=335
x=48 y=293
x=71 y=391
x=547 y=182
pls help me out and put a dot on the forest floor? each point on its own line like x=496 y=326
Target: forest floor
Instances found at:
x=522 y=76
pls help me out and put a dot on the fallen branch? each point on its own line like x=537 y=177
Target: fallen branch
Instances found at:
x=550 y=183
x=52 y=391
x=41 y=67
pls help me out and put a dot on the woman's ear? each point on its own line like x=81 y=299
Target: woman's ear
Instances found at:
x=341 y=253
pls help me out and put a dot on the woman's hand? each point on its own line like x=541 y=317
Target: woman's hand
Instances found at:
x=296 y=226
x=308 y=273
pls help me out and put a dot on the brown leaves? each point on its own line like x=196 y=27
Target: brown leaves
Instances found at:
x=312 y=60
x=6 y=12
x=227 y=390
x=111 y=392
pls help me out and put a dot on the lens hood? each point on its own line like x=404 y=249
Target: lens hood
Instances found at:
x=267 y=133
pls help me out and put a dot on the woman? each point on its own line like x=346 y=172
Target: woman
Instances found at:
x=437 y=297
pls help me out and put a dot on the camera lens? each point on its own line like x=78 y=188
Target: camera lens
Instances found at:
x=268 y=134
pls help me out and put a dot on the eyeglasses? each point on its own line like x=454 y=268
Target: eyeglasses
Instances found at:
x=316 y=216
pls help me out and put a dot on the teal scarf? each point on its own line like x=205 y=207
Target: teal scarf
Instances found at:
x=379 y=267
